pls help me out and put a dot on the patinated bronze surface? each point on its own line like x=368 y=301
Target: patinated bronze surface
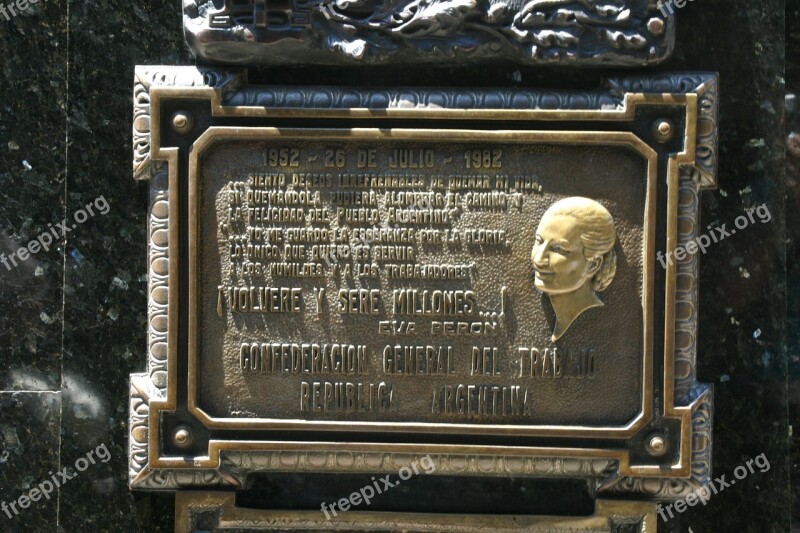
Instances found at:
x=381 y=280
x=342 y=32
x=353 y=277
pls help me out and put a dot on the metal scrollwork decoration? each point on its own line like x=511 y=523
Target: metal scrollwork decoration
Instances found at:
x=624 y=32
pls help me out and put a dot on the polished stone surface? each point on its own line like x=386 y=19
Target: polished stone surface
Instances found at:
x=98 y=296
x=792 y=110
x=33 y=122
x=29 y=455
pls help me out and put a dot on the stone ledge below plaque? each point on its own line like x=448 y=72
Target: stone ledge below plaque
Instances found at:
x=197 y=512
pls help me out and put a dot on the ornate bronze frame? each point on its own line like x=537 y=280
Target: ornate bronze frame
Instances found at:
x=617 y=469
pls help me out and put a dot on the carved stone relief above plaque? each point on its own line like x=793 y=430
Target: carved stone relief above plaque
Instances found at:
x=343 y=279
x=358 y=32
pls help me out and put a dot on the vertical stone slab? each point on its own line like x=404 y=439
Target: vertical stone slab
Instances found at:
x=106 y=276
x=33 y=82
x=33 y=46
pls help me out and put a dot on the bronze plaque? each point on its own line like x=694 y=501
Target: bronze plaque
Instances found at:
x=341 y=279
x=383 y=280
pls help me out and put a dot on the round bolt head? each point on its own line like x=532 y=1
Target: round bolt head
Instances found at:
x=657 y=445
x=182 y=437
x=655 y=26
x=182 y=122
x=664 y=130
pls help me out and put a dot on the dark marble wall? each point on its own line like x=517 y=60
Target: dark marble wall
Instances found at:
x=72 y=326
x=792 y=128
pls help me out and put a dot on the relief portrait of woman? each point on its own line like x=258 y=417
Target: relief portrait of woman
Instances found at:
x=573 y=257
